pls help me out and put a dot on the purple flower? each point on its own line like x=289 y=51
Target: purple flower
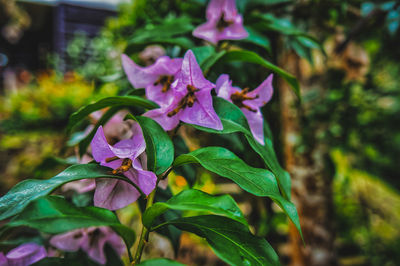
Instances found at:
x=126 y=157
x=157 y=79
x=223 y=23
x=192 y=101
x=92 y=240
x=249 y=102
x=25 y=254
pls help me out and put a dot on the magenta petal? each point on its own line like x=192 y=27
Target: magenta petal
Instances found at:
x=202 y=113
x=236 y=31
x=70 y=241
x=26 y=254
x=146 y=180
x=95 y=247
x=127 y=148
x=115 y=241
x=255 y=121
x=138 y=76
x=220 y=81
x=155 y=94
x=207 y=31
x=214 y=9
x=3 y=260
x=224 y=87
x=114 y=194
x=191 y=73
x=229 y=9
x=100 y=148
x=263 y=92
x=161 y=117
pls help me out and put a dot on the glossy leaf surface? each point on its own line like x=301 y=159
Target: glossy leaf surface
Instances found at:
x=259 y=182
x=28 y=190
x=230 y=240
x=196 y=200
x=54 y=215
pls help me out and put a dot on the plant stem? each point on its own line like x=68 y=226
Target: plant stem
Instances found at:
x=145 y=232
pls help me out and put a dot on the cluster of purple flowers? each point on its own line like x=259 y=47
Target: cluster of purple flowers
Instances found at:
x=179 y=87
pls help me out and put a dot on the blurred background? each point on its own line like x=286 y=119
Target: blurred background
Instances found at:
x=341 y=144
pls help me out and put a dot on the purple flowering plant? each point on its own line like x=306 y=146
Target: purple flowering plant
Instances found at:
x=138 y=139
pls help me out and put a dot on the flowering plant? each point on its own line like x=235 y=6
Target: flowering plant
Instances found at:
x=134 y=165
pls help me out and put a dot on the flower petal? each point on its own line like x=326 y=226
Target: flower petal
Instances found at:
x=141 y=77
x=155 y=94
x=161 y=116
x=263 y=91
x=202 y=112
x=114 y=194
x=70 y=241
x=26 y=254
x=229 y=9
x=100 y=148
x=3 y=260
x=115 y=241
x=255 y=120
x=94 y=247
x=214 y=9
x=224 y=87
x=191 y=73
x=146 y=180
x=236 y=31
x=126 y=148
x=207 y=31
x=138 y=76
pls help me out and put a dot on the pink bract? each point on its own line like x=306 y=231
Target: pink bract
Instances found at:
x=23 y=255
x=157 y=79
x=92 y=240
x=192 y=101
x=125 y=157
x=249 y=102
x=223 y=23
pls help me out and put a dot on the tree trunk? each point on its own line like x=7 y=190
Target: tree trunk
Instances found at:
x=311 y=179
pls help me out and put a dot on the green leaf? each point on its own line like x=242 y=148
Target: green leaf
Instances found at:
x=28 y=190
x=168 y=28
x=230 y=240
x=55 y=215
x=233 y=120
x=257 y=38
x=251 y=57
x=165 y=33
x=195 y=200
x=203 y=52
x=109 y=102
x=267 y=153
x=160 y=262
x=211 y=60
x=257 y=181
x=301 y=50
x=159 y=147
x=180 y=41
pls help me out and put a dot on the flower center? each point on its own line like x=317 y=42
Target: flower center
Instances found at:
x=165 y=81
x=125 y=166
x=188 y=100
x=94 y=236
x=239 y=96
x=222 y=23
